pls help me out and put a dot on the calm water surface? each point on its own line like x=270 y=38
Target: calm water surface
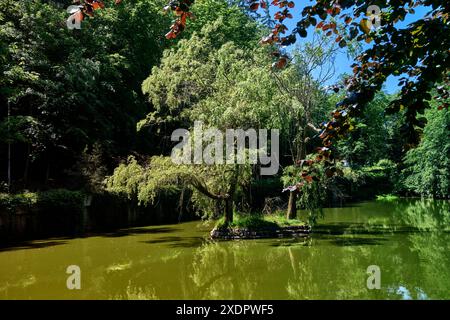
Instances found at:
x=408 y=239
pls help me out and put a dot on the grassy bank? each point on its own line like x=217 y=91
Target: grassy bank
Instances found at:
x=259 y=221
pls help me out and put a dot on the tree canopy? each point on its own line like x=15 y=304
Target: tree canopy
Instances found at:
x=419 y=53
x=72 y=99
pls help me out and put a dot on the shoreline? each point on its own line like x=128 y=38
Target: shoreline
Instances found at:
x=237 y=233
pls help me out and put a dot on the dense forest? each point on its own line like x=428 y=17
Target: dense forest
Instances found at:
x=92 y=110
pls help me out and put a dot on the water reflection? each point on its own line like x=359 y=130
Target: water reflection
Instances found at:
x=407 y=239
x=424 y=214
x=409 y=243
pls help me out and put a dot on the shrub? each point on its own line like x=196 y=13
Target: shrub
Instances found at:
x=427 y=167
x=371 y=180
x=387 y=197
x=259 y=221
x=61 y=199
x=52 y=200
x=13 y=201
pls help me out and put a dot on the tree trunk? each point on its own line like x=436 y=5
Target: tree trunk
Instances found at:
x=228 y=211
x=230 y=197
x=292 y=206
x=218 y=211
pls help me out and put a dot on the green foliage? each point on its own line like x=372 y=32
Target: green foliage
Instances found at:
x=13 y=201
x=237 y=27
x=76 y=97
x=313 y=195
x=427 y=169
x=312 y=198
x=369 y=134
x=260 y=221
x=290 y=175
x=52 y=200
x=230 y=87
x=280 y=219
x=387 y=197
x=92 y=168
x=209 y=183
x=425 y=214
x=383 y=169
x=69 y=89
x=414 y=50
x=126 y=179
x=222 y=84
x=251 y=222
x=368 y=181
x=61 y=199
x=303 y=103
x=17 y=129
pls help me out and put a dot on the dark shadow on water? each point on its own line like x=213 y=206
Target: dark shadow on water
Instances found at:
x=54 y=241
x=345 y=242
x=291 y=243
x=341 y=228
x=35 y=244
x=137 y=231
x=178 y=242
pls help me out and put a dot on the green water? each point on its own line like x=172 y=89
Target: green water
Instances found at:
x=408 y=239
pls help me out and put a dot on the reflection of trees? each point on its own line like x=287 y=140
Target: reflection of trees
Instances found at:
x=253 y=270
x=136 y=293
x=431 y=218
x=241 y=270
x=424 y=214
x=226 y=270
x=432 y=250
x=317 y=280
x=410 y=244
x=408 y=240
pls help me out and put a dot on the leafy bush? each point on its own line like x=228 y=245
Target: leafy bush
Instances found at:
x=211 y=185
x=383 y=169
x=427 y=169
x=52 y=200
x=371 y=180
x=281 y=220
x=387 y=197
x=61 y=199
x=126 y=179
x=259 y=221
x=12 y=201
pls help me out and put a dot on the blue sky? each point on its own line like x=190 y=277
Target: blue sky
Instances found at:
x=343 y=62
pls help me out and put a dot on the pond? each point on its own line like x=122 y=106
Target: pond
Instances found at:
x=408 y=239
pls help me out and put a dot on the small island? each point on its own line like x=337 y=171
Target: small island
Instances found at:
x=259 y=226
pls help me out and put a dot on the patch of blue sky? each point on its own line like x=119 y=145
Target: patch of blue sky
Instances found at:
x=343 y=60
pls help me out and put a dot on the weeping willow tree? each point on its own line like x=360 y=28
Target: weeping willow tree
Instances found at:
x=215 y=188
x=314 y=193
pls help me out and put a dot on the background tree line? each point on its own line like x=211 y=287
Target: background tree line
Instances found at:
x=81 y=101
